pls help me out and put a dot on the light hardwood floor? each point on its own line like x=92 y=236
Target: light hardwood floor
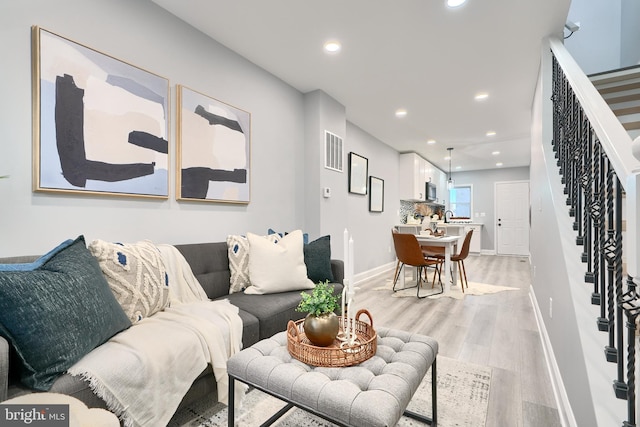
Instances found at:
x=497 y=330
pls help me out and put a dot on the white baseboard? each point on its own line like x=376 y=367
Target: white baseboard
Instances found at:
x=366 y=275
x=567 y=419
x=487 y=252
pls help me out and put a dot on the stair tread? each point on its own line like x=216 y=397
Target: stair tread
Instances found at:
x=620 y=99
x=627 y=110
x=631 y=125
x=620 y=88
x=616 y=75
x=617 y=86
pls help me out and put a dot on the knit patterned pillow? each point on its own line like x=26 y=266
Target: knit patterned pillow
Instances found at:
x=238 y=249
x=136 y=275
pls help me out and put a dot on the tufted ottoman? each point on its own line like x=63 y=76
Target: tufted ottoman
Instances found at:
x=373 y=393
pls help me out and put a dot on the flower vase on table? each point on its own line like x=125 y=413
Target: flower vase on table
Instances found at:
x=321 y=326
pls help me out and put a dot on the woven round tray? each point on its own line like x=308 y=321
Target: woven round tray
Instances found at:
x=334 y=355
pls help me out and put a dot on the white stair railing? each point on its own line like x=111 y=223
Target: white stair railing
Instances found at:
x=599 y=162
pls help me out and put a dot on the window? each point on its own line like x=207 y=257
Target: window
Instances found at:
x=460 y=200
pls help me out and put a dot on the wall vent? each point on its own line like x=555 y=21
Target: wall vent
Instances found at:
x=333 y=148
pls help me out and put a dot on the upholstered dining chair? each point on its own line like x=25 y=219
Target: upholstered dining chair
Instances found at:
x=459 y=258
x=409 y=253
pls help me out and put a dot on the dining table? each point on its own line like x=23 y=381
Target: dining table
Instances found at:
x=450 y=244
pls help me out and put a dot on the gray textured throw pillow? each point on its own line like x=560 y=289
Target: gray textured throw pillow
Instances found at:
x=136 y=275
x=56 y=313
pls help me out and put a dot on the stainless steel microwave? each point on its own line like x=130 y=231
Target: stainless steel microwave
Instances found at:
x=431 y=192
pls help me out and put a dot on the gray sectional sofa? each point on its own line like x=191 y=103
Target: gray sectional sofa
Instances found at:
x=262 y=317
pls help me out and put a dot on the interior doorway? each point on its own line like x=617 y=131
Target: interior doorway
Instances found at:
x=512 y=217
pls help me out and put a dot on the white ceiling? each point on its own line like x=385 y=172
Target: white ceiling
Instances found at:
x=413 y=54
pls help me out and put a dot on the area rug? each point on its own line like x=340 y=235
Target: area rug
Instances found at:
x=475 y=288
x=463 y=399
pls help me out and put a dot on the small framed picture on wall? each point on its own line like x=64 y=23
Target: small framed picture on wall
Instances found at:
x=376 y=194
x=358 y=172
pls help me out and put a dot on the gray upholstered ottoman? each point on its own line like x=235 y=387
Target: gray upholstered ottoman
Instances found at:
x=373 y=393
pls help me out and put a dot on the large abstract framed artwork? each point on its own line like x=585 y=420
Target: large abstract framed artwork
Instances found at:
x=213 y=149
x=376 y=194
x=358 y=171
x=100 y=125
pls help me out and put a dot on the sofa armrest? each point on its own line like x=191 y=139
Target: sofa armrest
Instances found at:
x=4 y=369
x=337 y=268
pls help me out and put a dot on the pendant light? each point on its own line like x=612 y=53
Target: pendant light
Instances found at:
x=450 y=182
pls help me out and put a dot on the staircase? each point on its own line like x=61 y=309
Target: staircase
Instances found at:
x=621 y=90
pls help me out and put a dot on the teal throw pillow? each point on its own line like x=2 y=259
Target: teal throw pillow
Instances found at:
x=317 y=257
x=56 y=313
x=305 y=236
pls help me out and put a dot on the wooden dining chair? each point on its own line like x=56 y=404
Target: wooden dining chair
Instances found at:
x=409 y=253
x=459 y=258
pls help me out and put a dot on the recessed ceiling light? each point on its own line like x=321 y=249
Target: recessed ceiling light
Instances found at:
x=332 y=46
x=458 y=167
x=481 y=96
x=495 y=153
x=401 y=112
x=431 y=141
x=491 y=133
x=455 y=3
x=447 y=158
x=499 y=164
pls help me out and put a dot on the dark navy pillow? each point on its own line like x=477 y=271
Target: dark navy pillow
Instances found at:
x=317 y=257
x=57 y=312
x=305 y=236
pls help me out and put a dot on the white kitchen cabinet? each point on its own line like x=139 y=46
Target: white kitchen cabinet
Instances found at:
x=476 y=238
x=412 y=177
x=415 y=172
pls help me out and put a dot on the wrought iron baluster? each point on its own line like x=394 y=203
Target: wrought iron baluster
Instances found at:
x=588 y=202
x=608 y=249
x=620 y=386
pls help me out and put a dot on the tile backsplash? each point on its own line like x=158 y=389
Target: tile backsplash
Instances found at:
x=418 y=210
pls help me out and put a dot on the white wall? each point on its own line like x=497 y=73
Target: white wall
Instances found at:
x=630 y=47
x=372 y=230
x=286 y=150
x=609 y=35
x=145 y=35
x=596 y=46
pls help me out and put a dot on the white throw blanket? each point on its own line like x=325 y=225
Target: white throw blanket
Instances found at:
x=183 y=285
x=144 y=372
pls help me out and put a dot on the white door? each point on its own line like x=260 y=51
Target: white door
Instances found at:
x=512 y=218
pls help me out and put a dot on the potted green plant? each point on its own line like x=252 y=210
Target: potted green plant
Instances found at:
x=321 y=326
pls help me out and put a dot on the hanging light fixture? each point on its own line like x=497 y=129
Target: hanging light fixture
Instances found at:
x=450 y=182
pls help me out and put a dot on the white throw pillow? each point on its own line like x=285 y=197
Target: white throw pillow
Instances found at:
x=277 y=267
x=238 y=252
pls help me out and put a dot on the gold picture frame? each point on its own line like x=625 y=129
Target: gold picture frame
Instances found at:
x=213 y=161
x=100 y=125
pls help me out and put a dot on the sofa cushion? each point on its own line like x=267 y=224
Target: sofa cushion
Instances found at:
x=277 y=267
x=136 y=274
x=209 y=262
x=317 y=258
x=58 y=312
x=273 y=311
x=238 y=252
